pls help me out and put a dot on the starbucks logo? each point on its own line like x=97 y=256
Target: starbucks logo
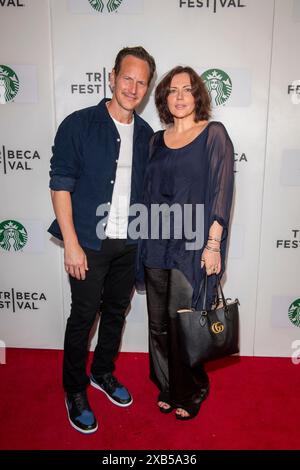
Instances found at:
x=105 y=6
x=9 y=84
x=294 y=312
x=13 y=235
x=218 y=84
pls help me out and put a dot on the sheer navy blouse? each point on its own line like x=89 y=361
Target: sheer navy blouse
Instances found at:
x=200 y=172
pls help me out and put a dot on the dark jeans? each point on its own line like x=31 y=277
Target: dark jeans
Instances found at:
x=109 y=280
x=179 y=385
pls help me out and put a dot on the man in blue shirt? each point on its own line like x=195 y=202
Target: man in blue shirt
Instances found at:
x=99 y=158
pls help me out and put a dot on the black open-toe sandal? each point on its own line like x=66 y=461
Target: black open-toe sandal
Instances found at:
x=165 y=410
x=193 y=409
x=165 y=397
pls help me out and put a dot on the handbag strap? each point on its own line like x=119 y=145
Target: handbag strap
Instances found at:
x=219 y=288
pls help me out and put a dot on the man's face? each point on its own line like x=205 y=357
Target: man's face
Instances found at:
x=131 y=83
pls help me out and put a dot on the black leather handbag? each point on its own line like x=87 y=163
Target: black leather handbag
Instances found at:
x=206 y=335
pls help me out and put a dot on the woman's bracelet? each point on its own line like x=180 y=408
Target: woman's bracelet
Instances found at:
x=209 y=248
x=215 y=239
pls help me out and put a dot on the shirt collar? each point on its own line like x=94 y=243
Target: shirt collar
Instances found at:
x=102 y=114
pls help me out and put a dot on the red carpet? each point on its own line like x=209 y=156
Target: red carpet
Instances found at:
x=253 y=404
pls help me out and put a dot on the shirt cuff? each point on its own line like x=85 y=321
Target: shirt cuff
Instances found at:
x=62 y=183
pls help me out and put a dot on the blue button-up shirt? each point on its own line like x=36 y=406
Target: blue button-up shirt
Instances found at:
x=85 y=157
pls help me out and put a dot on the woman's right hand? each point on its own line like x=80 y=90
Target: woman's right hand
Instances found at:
x=212 y=262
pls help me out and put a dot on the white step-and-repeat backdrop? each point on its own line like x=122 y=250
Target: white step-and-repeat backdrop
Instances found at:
x=56 y=56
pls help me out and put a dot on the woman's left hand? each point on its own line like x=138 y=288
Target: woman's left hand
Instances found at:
x=212 y=262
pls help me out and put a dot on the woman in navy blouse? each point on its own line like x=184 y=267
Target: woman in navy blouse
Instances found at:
x=188 y=194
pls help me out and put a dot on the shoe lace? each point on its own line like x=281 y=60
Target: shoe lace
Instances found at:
x=112 y=382
x=81 y=401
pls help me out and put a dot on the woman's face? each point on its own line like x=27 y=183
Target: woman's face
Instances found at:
x=180 y=100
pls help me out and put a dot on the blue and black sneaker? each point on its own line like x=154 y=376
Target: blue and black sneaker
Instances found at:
x=113 y=389
x=80 y=414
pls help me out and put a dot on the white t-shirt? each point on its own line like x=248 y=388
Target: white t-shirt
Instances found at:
x=117 y=223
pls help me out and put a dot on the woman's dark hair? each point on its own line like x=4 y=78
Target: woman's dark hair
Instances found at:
x=199 y=92
x=138 y=52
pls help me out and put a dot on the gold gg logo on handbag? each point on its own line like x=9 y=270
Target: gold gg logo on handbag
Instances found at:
x=217 y=327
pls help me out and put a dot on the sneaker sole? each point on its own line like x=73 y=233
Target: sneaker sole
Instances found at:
x=122 y=405
x=88 y=431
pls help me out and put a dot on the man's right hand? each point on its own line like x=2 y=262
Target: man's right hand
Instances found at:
x=75 y=261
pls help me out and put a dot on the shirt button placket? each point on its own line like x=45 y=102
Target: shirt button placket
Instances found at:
x=118 y=140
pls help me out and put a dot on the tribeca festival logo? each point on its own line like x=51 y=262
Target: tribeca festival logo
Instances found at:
x=9 y=84
x=294 y=91
x=238 y=159
x=11 y=3
x=92 y=84
x=105 y=6
x=218 y=84
x=13 y=160
x=14 y=300
x=211 y=4
x=293 y=242
x=13 y=236
x=294 y=312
